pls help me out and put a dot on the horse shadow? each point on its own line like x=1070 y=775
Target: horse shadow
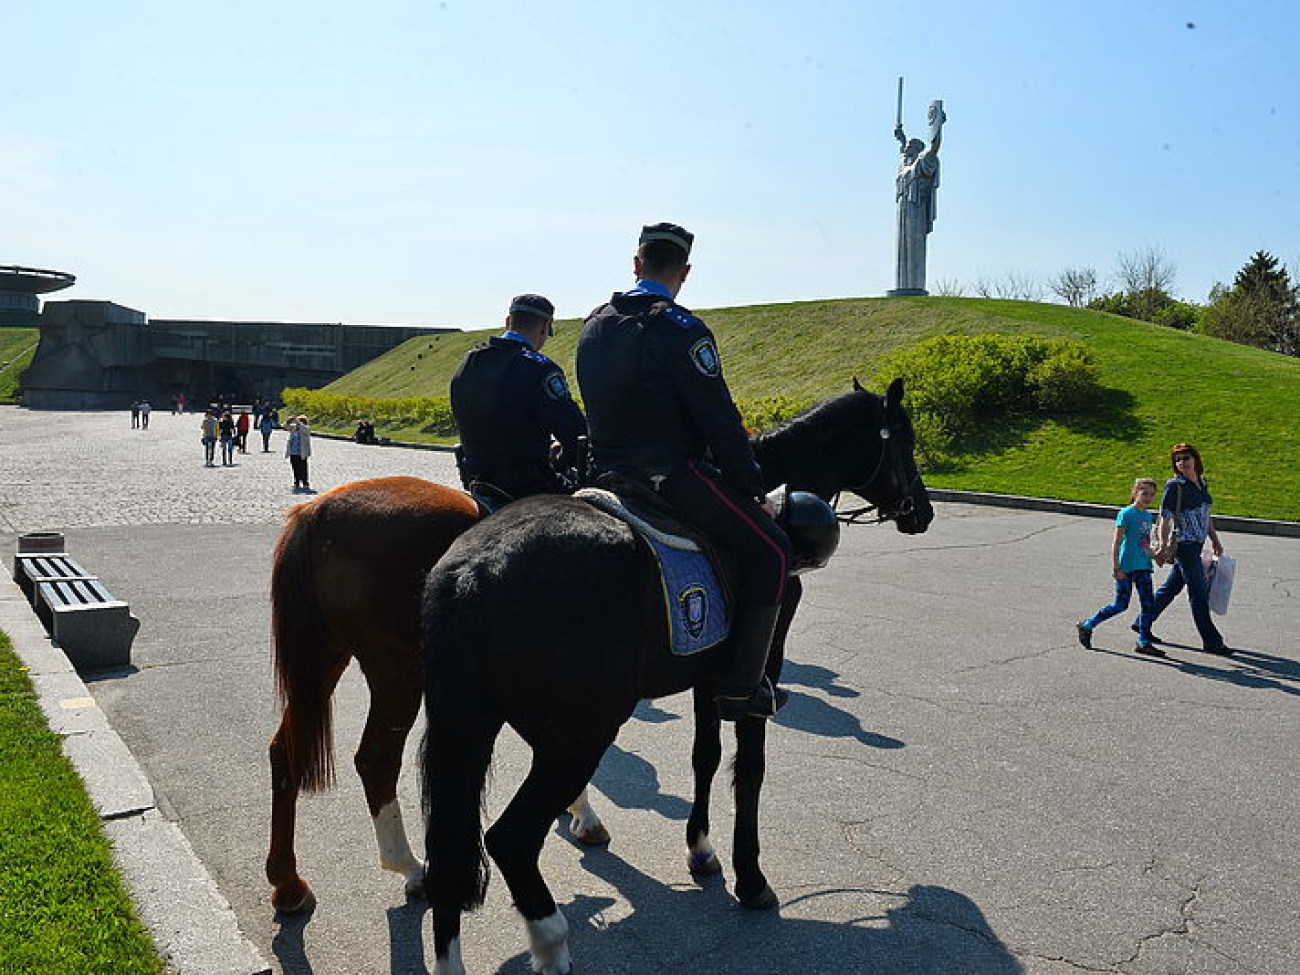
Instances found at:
x=813 y=675
x=630 y=782
x=406 y=926
x=693 y=927
x=289 y=943
x=814 y=716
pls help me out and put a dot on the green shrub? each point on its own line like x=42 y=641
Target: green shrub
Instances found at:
x=760 y=415
x=432 y=414
x=955 y=383
x=1065 y=379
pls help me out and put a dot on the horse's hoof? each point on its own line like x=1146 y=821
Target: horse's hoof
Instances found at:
x=597 y=835
x=764 y=900
x=704 y=864
x=294 y=897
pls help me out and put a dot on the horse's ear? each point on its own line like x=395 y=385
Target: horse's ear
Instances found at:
x=894 y=395
x=857 y=386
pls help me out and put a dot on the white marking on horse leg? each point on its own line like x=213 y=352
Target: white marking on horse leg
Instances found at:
x=548 y=943
x=703 y=857
x=451 y=965
x=394 y=849
x=586 y=825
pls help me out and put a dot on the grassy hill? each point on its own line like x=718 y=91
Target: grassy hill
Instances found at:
x=17 y=346
x=1240 y=406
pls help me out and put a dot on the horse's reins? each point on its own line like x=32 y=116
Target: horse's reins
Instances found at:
x=863 y=515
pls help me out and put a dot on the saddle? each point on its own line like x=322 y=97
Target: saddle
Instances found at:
x=696 y=574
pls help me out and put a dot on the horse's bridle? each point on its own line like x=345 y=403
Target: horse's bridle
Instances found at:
x=874 y=514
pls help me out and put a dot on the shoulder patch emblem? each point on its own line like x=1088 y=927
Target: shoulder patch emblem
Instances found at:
x=556 y=387
x=704 y=354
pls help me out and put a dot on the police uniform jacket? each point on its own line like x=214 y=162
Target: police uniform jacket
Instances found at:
x=508 y=400
x=652 y=384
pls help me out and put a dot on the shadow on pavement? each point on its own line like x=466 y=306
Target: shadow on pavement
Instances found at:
x=700 y=927
x=1245 y=668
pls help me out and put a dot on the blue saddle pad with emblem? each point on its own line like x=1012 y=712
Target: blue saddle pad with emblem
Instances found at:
x=693 y=599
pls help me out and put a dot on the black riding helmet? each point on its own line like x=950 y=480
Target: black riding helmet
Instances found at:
x=812 y=527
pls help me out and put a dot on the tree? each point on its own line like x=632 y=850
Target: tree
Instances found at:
x=1009 y=284
x=1076 y=286
x=1147 y=276
x=1262 y=308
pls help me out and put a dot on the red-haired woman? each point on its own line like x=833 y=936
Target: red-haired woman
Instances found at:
x=1185 y=512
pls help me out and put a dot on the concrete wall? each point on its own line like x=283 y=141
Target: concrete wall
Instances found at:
x=99 y=355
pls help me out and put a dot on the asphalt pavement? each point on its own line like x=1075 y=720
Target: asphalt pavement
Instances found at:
x=956 y=786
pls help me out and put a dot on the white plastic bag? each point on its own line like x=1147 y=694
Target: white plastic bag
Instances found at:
x=1221 y=573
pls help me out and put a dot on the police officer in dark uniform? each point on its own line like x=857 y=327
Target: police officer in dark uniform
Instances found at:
x=660 y=412
x=509 y=400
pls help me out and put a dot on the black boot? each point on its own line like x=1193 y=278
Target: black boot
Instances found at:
x=745 y=691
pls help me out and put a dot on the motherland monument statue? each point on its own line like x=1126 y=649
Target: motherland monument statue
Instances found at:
x=915 y=190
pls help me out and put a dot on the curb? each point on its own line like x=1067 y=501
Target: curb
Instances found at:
x=193 y=925
x=1251 y=526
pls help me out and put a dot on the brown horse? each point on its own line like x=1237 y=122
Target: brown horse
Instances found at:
x=347 y=580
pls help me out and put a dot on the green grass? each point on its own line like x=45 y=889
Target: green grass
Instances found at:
x=17 y=346
x=63 y=908
x=1240 y=406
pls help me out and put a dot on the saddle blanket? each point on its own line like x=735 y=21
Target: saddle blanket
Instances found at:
x=694 y=601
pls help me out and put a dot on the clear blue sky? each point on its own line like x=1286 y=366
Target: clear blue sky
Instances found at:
x=422 y=161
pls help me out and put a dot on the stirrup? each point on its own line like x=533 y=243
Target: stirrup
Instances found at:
x=765 y=702
x=489 y=497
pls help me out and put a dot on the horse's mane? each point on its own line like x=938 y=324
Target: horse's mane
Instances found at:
x=831 y=414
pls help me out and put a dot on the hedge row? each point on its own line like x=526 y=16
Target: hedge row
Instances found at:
x=432 y=414
x=955 y=384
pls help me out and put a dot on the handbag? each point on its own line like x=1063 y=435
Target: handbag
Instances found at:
x=1220 y=573
x=1166 y=553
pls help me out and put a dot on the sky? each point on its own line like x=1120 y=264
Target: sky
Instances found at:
x=420 y=162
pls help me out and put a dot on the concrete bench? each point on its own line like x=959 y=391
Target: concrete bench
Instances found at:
x=31 y=570
x=93 y=628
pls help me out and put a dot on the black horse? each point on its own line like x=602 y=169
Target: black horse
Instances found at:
x=549 y=616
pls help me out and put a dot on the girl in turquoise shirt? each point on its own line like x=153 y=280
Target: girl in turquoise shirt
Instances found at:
x=1130 y=554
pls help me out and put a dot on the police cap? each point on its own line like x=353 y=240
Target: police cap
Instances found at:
x=670 y=232
x=532 y=305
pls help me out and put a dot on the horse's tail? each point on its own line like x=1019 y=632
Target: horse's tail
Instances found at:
x=462 y=725
x=302 y=667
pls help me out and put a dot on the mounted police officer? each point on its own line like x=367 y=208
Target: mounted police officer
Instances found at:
x=660 y=412
x=509 y=400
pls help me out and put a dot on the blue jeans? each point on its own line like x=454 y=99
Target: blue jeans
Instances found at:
x=1141 y=580
x=1188 y=571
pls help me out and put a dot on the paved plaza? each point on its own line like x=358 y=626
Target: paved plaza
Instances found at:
x=956 y=786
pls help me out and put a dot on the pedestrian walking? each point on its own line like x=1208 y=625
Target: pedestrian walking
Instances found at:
x=1185 y=524
x=1130 y=559
x=208 y=434
x=227 y=426
x=298 y=449
x=266 y=424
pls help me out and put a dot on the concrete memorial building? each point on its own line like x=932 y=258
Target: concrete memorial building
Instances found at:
x=101 y=355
